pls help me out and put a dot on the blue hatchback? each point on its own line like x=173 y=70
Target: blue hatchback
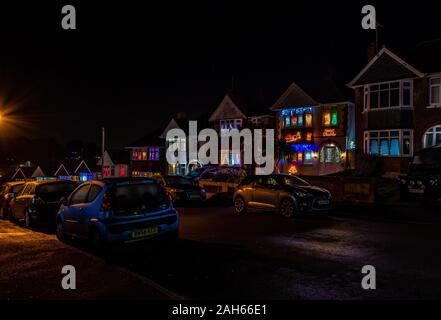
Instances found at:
x=117 y=210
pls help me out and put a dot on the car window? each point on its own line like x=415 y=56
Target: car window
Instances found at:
x=80 y=195
x=16 y=189
x=54 y=191
x=261 y=182
x=272 y=182
x=94 y=192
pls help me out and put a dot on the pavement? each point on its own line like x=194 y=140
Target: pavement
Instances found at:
x=220 y=255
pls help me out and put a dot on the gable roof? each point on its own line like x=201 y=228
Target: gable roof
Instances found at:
x=38 y=172
x=385 y=66
x=227 y=109
x=294 y=96
x=61 y=171
x=23 y=173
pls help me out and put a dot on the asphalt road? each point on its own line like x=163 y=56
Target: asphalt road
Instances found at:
x=255 y=256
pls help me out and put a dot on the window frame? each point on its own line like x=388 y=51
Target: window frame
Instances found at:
x=403 y=84
x=402 y=136
x=437 y=104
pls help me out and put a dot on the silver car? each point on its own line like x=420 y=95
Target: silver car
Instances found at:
x=286 y=193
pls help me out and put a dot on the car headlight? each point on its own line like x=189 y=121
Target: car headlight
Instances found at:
x=300 y=193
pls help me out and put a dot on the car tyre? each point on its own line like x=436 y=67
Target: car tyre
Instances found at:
x=240 y=206
x=287 y=208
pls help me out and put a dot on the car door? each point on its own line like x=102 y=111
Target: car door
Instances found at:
x=88 y=210
x=262 y=195
x=18 y=208
x=75 y=208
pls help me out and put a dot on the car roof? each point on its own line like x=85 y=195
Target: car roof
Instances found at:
x=40 y=182
x=125 y=179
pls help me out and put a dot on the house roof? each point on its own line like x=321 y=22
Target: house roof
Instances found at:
x=311 y=93
x=152 y=139
x=385 y=66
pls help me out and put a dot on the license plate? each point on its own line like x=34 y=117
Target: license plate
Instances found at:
x=323 y=202
x=145 y=232
x=416 y=190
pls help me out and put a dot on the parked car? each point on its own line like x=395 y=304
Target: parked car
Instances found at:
x=39 y=201
x=423 y=179
x=286 y=193
x=183 y=190
x=117 y=210
x=8 y=191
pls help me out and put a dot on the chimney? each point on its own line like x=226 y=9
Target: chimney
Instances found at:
x=371 y=51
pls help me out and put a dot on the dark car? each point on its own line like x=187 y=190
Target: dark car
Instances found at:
x=423 y=180
x=8 y=191
x=286 y=193
x=117 y=210
x=39 y=201
x=183 y=190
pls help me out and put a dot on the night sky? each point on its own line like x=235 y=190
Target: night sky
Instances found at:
x=131 y=67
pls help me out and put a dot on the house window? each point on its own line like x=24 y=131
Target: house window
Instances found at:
x=330 y=119
x=388 y=95
x=330 y=153
x=435 y=91
x=154 y=154
x=227 y=125
x=432 y=137
x=308 y=120
x=388 y=143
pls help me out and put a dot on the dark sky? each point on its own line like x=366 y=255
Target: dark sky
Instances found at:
x=131 y=67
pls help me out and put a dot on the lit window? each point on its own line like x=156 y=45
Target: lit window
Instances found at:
x=389 y=143
x=334 y=118
x=308 y=120
x=309 y=136
x=294 y=121
x=287 y=121
x=326 y=119
x=144 y=155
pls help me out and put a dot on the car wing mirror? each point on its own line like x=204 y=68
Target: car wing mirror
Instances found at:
x=63 y=201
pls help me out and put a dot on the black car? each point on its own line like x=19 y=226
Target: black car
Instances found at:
x=423 y=180
x=182 y=190
x=8 y=191
x=40 y=200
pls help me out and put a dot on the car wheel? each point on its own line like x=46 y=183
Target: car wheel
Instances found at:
x=287 y=208
x=240 y=206
x=60 y=232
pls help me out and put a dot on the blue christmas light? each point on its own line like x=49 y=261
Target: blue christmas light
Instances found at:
x=303 y=147
x=296 y=110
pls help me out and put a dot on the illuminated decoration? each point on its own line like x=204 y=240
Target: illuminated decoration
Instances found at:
x=330 y=119
x=294 y=120
x=309 y=136
x=293 y=170
x=303 y=147
x=122 y=171
x=85 y=176
x=329 y=133
x=64 y=177
x=308 y=120
x=106 y=172
x=299 y=110
x=291 y=138
x=299 y=156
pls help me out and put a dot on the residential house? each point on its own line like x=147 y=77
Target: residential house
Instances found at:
x=116 y=164
x=234 y=113
x=398 y=105
x=315 y=129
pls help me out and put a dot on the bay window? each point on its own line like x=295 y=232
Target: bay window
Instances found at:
x=394 y=94
x=389 y=143
x=432 y=137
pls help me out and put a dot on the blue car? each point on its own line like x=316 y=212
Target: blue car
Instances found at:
x=117 y=210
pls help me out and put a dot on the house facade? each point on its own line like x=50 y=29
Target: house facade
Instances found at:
x=313 y=136
x=232 y=113
x=398 y=109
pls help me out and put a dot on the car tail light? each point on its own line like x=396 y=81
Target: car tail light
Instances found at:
x=106 y=204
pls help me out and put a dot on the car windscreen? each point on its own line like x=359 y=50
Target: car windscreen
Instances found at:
x=138 y=197
x=292 y=181
x=16 y=189
x=52 y=192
